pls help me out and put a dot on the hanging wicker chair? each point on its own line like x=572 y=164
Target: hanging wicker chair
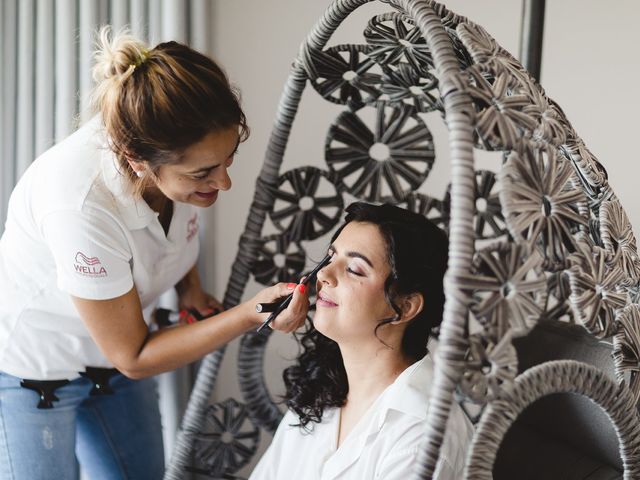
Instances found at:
x=541 y=240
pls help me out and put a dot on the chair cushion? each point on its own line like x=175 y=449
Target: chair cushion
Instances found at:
x=526 y=454
x=563 y=436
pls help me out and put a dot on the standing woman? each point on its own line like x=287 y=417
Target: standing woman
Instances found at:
x=98 y=227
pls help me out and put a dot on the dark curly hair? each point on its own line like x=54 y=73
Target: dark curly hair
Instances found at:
x=417 y=254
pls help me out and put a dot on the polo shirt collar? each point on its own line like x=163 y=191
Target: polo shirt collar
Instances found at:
x=135 y=212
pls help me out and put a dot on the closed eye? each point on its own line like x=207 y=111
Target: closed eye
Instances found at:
x=359 y=274
x=204 y=174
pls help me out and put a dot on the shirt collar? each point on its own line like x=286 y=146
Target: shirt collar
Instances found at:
x=408 y=394
x=135 y=212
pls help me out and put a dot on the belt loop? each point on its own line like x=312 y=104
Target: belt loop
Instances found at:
x=100 y=378
x=44 y=388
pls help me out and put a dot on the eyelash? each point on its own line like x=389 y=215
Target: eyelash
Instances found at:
x=354 y=272
x=349 y=270
x=205 y=175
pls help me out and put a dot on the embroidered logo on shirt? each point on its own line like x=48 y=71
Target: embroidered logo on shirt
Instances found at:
x=89 y=266
x=192 y=227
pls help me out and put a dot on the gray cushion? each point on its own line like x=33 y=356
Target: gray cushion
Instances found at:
x=561 y=436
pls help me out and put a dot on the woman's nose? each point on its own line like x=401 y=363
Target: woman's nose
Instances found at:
x=222 y=181
x=326 y=274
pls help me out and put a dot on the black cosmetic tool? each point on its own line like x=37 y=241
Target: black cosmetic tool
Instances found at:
x=280 y=306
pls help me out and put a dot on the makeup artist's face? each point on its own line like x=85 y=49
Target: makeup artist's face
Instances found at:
x=202 y=170
x=351 y=299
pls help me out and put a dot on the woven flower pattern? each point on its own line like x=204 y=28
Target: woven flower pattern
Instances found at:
x=550 y=123
x=489 y=366
x=227 y=440
x=307 y=204
x=385 y=163
x=489 y=221
x=345 y=74
x=618 y=239
x=508 y=289
x=542 y=201
x=279 y=260
x=500 y=101
x=404 y=84
x=435 y=210
x=588 y=166
x=395 y=39
x=484 y=49
x=596 y=295
x=626 y=348
x=558 y=307
x=633 y=293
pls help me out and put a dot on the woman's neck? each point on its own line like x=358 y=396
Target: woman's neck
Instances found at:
x=155 y=199
x=369 y=374
x=159 y=203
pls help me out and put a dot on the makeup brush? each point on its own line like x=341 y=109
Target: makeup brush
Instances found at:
x=277 y=307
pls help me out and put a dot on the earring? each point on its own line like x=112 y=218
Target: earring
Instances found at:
x=140 y=174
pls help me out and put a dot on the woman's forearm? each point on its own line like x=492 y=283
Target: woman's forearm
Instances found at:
x=174 y=347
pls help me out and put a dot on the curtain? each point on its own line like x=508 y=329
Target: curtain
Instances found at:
x=45 y=81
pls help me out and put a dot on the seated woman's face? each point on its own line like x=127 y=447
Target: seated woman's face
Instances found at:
x=351 y=300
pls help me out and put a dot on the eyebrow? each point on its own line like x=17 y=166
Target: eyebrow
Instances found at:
x=205 y=169
x=353 y=255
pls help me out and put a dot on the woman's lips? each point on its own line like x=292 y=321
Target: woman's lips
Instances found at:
x=207 y=195
x=323 y=301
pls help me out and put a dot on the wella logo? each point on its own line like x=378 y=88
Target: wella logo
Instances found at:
x=89 y=266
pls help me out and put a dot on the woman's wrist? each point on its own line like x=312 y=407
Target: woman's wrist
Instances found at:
x=248 y=315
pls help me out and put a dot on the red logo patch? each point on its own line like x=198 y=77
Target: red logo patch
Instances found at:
x=89 y=266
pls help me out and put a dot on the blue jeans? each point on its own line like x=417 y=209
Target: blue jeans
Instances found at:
x=114 y=437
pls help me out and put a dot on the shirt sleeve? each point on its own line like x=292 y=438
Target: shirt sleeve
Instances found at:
x=91 y=254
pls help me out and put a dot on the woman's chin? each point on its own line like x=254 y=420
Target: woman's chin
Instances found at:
x=322 y=325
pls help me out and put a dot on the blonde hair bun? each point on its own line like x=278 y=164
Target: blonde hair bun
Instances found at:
x=117 y=55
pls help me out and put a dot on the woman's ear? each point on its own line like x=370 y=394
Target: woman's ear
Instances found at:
x=411 y=305
x=139 y=168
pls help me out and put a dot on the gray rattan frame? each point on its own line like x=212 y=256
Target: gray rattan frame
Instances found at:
x=582 y=233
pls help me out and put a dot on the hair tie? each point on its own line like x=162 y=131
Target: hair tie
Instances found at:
x=144 y=55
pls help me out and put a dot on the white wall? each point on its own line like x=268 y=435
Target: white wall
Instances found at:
x=589 y=64
x=591 y=67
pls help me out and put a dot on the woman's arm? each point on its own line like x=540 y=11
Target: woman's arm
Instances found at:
x=118 y=328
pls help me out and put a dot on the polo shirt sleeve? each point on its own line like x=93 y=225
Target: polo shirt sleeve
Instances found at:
x=91 y=254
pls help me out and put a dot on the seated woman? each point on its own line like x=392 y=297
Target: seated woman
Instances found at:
x=358 y=395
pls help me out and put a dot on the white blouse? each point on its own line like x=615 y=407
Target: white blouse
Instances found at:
x=383 y=445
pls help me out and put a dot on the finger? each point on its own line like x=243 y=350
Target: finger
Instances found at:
x=286 y=288
x=298 y=308
x=215 y=304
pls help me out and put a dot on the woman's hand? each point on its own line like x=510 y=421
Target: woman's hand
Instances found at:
x=191 y=296
x=197 y=299
x=293 y=316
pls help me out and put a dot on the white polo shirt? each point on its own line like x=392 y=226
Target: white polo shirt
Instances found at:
x=72 y=229
x=384 y=445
